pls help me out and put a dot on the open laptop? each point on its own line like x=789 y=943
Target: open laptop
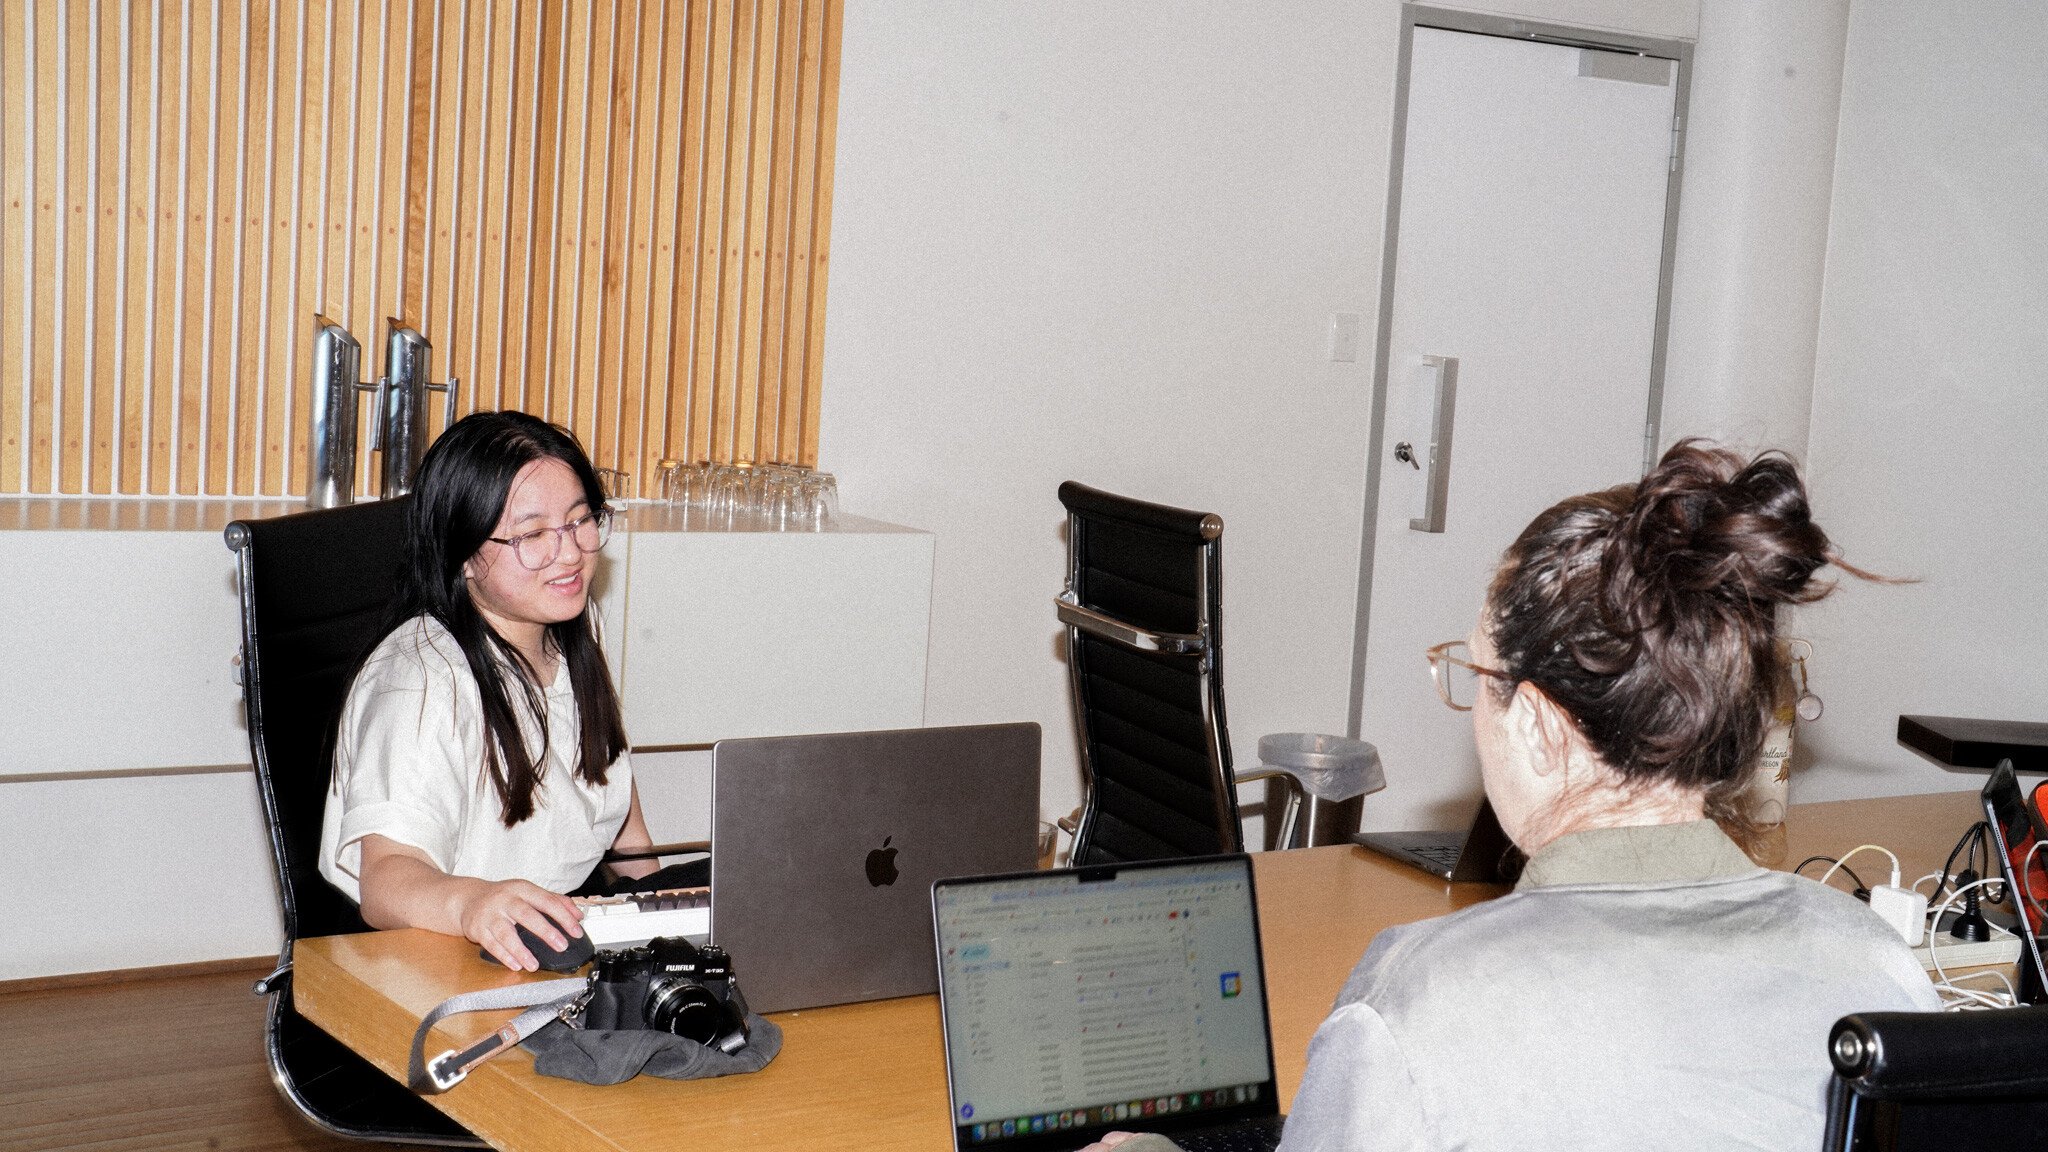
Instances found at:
x=1484 y=854
x=2016 y=828
x=824 y=849
x=1083 y=1001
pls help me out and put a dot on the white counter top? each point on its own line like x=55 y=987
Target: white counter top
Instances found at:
x=121 y=659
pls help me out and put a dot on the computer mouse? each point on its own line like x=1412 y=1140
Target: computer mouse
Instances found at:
x=571 y=956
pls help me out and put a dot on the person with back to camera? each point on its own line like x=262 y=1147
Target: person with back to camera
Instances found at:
x=480 y=769
x=1645 y=986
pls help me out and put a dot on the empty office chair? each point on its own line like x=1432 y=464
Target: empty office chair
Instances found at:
x=1947 y=1081
x=315 y=588
x=1144 y=653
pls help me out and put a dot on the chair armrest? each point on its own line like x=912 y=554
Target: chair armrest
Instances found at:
x=1290 y=815
x=1904 y=1055
x=1130 y=635
x=653 y=851
x=1254 y=775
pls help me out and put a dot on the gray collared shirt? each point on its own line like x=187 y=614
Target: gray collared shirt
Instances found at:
x=1642 y=988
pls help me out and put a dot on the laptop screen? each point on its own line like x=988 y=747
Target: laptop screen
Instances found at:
x=1086 y=1000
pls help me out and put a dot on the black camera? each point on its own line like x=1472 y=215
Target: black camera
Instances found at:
x=669 y=985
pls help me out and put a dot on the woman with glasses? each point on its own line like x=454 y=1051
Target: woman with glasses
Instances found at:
x=480 y=769
x=1645 y=985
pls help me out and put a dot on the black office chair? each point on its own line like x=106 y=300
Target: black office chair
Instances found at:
x=1142 y=608
x=315 y=589
x=1947 y=1081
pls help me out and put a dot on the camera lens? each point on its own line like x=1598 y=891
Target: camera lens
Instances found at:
x=684 y=1007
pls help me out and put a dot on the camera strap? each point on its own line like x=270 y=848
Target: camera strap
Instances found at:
x=544 y=1001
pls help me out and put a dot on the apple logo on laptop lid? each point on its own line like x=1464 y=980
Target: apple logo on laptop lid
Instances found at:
x=881 y=864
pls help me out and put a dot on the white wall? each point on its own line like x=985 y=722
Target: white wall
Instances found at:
x=1930 y=406
x=1103 y=242
x=1753 y=222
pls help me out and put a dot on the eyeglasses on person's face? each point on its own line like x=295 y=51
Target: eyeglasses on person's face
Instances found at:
x=541 y=547
x=1456 y=676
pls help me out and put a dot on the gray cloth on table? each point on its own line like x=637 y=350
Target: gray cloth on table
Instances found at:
x=1642 y=988
x=592 y=1056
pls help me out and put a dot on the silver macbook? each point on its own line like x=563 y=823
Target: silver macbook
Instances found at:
x=1482 y=855
x=1083 y=1001
x=824 y=849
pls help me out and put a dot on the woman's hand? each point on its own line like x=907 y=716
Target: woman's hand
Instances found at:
x=492 y=914
x=1111 y=1141
x=402 y=888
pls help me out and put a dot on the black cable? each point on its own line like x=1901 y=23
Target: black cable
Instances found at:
x=1974 y=846
x=1976 y=840
x=1862 y=889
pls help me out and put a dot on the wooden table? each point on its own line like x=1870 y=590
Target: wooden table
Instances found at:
x=873 y=1075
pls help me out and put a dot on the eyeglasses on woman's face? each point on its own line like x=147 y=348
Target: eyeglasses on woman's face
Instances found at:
x=1456 y=676
x=543 y=546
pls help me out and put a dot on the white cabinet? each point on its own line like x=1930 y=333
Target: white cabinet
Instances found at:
x=121 y=659
x=121 y=722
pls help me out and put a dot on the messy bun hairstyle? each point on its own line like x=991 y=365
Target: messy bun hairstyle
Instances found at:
x=1649 y=613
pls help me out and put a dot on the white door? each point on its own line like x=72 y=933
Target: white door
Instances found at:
x=1530 y=240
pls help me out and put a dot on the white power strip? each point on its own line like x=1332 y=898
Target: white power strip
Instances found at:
x=2002 y=948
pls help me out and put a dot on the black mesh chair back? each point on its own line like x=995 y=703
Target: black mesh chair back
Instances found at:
x=315 y=589
x=1947 y=1081
x=1144 y=652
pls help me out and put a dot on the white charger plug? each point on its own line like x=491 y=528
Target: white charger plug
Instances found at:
x=1902 y=908
x=1905 y=909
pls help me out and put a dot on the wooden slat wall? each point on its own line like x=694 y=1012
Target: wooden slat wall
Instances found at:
x=611 y=212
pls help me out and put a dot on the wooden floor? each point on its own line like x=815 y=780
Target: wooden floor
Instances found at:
x=170 y=1063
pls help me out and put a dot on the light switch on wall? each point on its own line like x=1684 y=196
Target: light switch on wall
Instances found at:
x=1343 y=337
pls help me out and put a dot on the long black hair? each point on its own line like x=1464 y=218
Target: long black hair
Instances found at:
x=457 y=499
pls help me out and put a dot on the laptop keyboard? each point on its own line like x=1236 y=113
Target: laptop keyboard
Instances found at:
x=1249 y=1136
x=1444 y=856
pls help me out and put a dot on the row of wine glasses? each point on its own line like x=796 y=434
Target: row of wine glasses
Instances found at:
x=762 y=497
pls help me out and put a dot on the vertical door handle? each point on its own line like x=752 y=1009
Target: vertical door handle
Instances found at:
x=1437 y=482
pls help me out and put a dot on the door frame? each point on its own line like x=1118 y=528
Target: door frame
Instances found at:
x=1451 y=20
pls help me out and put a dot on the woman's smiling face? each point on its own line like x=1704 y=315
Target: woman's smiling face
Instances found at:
x=520 y=602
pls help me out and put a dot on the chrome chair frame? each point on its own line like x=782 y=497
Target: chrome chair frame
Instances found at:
x=1204 y=640
x=393 y=1113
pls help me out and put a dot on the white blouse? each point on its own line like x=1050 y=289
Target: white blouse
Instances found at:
x=409 y=766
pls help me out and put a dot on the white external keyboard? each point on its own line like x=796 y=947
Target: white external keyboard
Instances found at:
x=637 y=917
